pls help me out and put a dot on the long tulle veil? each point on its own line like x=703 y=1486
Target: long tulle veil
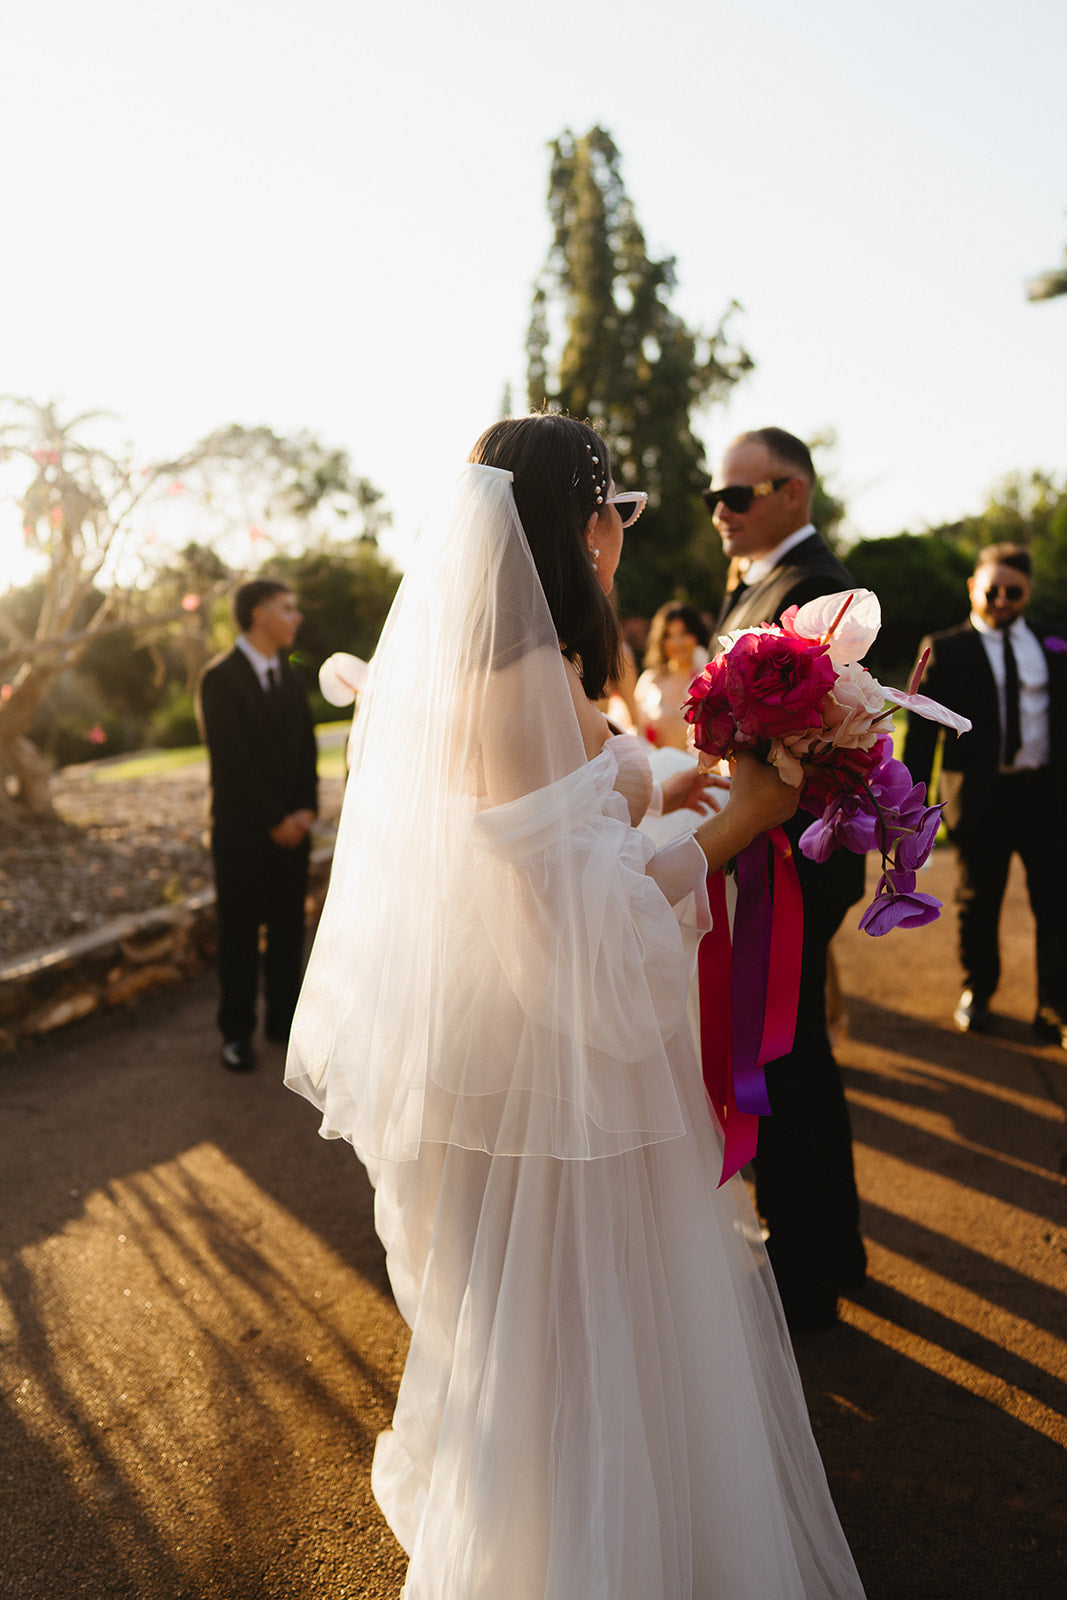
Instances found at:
x=478 y=976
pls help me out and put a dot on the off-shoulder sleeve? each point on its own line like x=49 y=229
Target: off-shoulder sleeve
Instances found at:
x=531 y=1014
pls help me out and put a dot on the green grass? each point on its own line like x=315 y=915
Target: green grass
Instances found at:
x=332 y=762
x=148 y=763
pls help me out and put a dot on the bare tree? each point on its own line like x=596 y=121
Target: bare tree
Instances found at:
x=92 y=517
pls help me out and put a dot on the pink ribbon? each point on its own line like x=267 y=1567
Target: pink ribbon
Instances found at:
x=749 y=989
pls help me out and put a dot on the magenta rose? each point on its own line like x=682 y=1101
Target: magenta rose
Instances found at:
x=832 y=771
x=708 y=709
x=776 y=684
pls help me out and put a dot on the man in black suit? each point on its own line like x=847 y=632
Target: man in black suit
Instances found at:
x=264 y=797
x=1002 y=783
x=805 y=1184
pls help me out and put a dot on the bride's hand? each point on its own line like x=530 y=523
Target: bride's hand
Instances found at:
x=759 y=801
x=762 y=798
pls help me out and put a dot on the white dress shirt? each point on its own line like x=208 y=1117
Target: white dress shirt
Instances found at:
x=1033 y=688
x=261 y=664
x=760 y=567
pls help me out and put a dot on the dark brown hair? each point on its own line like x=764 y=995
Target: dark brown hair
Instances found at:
x=784 y=447
x=1005 y=555
x=251 y=595
x=672 y=612
x=551 y=458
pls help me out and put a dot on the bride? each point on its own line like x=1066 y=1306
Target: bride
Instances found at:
x=600 y=1400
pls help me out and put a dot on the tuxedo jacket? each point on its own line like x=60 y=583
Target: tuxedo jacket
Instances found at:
x=958 y=674
x=805 y=573
x=263 y=756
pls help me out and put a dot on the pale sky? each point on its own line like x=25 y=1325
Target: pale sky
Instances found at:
x=327 y=215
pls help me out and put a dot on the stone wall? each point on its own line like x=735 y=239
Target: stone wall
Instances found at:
x=118 y=962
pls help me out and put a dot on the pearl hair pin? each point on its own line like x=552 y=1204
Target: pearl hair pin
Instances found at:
x=599 y=485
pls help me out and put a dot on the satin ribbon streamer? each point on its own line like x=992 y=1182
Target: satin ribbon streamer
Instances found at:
x=749 y=991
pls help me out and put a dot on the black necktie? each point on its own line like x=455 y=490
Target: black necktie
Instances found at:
x=1012 y=736
x=731 y=602
x=274 y=693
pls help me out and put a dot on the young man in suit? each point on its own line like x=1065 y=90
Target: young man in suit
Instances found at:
x=805 y=1183
x=1002 y=783
x=264 y=797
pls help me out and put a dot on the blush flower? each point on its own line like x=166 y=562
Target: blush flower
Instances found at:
x=854 y=709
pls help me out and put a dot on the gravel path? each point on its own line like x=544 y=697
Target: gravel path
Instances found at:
x=116 y=845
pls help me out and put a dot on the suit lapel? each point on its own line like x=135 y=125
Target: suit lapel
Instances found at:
x=759 y=602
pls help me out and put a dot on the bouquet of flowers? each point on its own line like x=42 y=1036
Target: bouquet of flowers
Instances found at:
x=795 y=693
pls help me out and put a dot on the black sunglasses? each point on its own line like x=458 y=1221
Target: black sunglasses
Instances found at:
x=739 y=496
x=1010 y=591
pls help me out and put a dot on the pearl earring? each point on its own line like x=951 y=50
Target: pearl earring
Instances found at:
x=595 y=552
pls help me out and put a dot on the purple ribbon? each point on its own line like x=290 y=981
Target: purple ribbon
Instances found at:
x=750 y=970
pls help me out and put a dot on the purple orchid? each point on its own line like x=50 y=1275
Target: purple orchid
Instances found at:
x=848 y=823
x=896 y=904
x=886 y=812
x=914 y=846
x=894 y=789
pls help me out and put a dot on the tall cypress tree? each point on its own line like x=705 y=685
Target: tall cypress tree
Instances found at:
x=604 y=344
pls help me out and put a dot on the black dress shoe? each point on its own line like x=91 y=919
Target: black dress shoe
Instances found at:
x=238 y=1055
x=1049 y=1030
x=972 y=1013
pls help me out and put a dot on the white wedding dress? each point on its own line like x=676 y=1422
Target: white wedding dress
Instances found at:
x=600 y=1400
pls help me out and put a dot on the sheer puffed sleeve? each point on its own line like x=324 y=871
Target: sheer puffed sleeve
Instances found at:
x=495 y=967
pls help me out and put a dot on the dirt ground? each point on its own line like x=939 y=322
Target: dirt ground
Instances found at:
x=199 y=1345
x=115 y=845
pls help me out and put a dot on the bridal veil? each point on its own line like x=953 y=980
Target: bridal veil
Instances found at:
x=599 y=1398
x=479 y=977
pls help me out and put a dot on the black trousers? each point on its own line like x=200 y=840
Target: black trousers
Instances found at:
x=805 y=1180
x=1021 y=818
x=259 y=885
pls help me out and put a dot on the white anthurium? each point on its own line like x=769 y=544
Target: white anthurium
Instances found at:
x=342 y=677
x=854 y=615
x=932 y=710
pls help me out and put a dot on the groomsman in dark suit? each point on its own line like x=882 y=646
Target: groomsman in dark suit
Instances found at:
x=1002 y=783
x=805 y=1183
x=264 y=797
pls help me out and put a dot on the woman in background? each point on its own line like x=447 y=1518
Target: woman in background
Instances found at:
x=677 y=649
